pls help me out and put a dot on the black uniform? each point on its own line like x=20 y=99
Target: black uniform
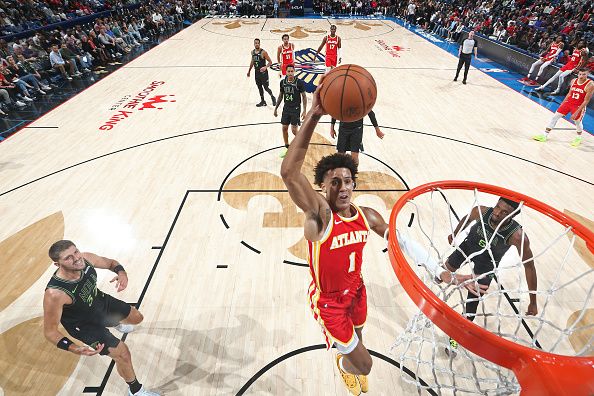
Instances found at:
x=487 y=260
x=91 y=310
x=291 y=92
x=261 y=77
x=350 y=134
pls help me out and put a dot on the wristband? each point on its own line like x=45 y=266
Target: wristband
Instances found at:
x=118 y=268
x=64 y=343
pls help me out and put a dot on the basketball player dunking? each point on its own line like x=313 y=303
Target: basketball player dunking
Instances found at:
x=333 y=49
x=576 y=103
x=336 y=231
x=292 y=92
x=577 y=59
x=285 y=54
x=547 y=58
x=261 y=62
x=72 y=298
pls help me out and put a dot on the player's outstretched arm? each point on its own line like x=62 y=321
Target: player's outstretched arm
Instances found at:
x=300 y=190
x=520 y=240
x=121 y=278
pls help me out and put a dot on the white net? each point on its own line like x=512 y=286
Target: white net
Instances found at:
x=564 y=323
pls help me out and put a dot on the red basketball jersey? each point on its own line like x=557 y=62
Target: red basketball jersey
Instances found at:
x=332 y=46
x=287 y=55
x=335 y=260
x=577 y=93
x=553 y=51
x=574 y=60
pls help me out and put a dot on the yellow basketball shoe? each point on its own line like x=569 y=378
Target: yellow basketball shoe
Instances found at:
x=350 y=380
x=364 y=383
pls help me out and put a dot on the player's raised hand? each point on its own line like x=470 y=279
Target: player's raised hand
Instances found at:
x=316 y=103
x=379 y=133
x=121 y=280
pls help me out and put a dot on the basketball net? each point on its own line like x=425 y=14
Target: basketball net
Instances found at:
x=565 y=295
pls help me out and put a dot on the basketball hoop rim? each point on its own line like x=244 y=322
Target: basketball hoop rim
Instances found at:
x=527 y=363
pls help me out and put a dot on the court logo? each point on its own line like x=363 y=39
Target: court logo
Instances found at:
x=240 y=189
x=357 y=24
x=298 y=31
x=127 y=106
x=308 y=67
x=151 y=102
x=492 y=70
x=392 y=50
x=236 y=23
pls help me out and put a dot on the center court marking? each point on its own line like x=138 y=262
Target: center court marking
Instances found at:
x=274 y=123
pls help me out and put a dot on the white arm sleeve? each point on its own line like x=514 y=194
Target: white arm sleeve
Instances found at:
x=419 y=255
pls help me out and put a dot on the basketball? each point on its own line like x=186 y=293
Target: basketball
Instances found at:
x=348 y=93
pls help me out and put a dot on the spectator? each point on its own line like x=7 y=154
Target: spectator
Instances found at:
x=58 y=63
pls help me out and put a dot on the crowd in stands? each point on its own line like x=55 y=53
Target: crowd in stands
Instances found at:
x=529 y=25
x=30 y=67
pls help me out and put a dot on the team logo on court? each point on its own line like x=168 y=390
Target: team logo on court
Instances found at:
x=286 y=215
x=236 y=23
x=308 y=68
x=357 y=24
x=393 y=50
x=298 y=31
x=127 y=106
x=151 y=102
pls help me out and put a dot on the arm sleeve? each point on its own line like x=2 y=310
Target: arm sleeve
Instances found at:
x=373 y=119
x=333 y=122
x=419 y=255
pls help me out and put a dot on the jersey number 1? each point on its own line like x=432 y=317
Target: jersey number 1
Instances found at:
x=352 y=262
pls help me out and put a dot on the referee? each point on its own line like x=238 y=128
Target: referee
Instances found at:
x=465 y=54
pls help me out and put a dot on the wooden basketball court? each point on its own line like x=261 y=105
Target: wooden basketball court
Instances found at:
x=168 y=167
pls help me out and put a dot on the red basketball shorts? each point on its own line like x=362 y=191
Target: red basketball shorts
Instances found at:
x=571 y=108
x=331 y=60
x=284 y=68
x=338 y=314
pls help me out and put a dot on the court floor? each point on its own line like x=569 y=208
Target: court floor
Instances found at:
x=167 y=166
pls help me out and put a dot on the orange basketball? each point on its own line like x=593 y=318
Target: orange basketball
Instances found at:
x=348 y=93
